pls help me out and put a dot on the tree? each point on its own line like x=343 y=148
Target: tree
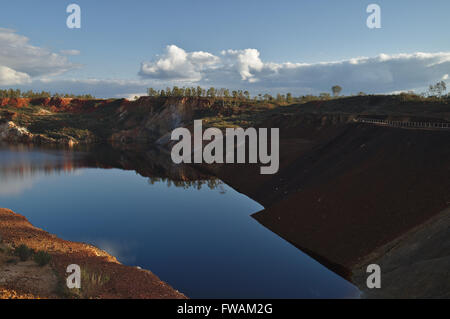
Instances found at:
x=152 y=92
x=268 y=98
x=211 y=92
x=438 y=89
x=289 y=98
x=324 y=96
x=280 y=98
x=336 y=90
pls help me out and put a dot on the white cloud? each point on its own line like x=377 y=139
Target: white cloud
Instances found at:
x=70 y=52
x=18 y=54
x=130 y=96
x=245 y=61
x=9 y=76
x=244 y=68
x=178 y=65
x=32 y=67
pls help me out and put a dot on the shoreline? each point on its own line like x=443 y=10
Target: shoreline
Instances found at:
x=102 y=276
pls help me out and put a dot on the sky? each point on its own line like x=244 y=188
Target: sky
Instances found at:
x=297 y=46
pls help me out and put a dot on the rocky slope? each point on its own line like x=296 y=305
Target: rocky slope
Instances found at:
x=73 y=121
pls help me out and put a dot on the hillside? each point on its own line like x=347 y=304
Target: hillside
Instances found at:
x=148 y=119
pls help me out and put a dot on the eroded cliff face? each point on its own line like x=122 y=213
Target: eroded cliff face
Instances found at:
x=9 y=131
x=65 y=120
x=152 y=120
x=55 y=104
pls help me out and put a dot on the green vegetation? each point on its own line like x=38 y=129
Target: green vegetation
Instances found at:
x=438 y=89
x=91 y=283
x=17 y=93
x=11 y=261
x=97 y=120
x=23 y=252
x=336 y=90
x=232 y=97
x=42 y=258
x=238 y=97
x=82 y=126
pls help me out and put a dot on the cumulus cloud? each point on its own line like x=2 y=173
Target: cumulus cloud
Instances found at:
x=9 y=76
x=237 y=68
x=244 y=61
x=177 y=64
x=18 y=54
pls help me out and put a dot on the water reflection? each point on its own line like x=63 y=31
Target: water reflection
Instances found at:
x=189 y=228
x=21 y=165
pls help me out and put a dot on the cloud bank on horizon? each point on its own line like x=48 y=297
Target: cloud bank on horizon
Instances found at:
x=32 y=67
x=383 y=73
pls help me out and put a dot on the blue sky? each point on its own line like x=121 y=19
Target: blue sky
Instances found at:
x=116 y=37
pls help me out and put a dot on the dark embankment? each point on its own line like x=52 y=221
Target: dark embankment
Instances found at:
x=361 y=190
x=347 y=191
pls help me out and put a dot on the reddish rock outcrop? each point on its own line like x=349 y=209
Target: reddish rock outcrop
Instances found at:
x=15 y=102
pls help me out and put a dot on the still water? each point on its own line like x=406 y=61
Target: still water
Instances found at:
x=198 y=235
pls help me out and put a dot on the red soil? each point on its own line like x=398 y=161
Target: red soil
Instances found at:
x=123 y=281
x=358 y=191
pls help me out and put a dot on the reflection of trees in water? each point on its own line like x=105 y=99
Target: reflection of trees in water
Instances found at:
x=197 y=184
x=25 y=161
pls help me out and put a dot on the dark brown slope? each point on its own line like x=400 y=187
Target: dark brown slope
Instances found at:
x=359 y=190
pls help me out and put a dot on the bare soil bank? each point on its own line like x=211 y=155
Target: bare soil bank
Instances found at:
x=415 y=265
x=102 y=275
x=362 y=189
x=346 y=190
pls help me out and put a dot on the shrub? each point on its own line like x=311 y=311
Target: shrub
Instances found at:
x=42 y=258
x=23 y=252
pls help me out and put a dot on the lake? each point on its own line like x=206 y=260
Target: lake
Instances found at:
x=191 y=230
